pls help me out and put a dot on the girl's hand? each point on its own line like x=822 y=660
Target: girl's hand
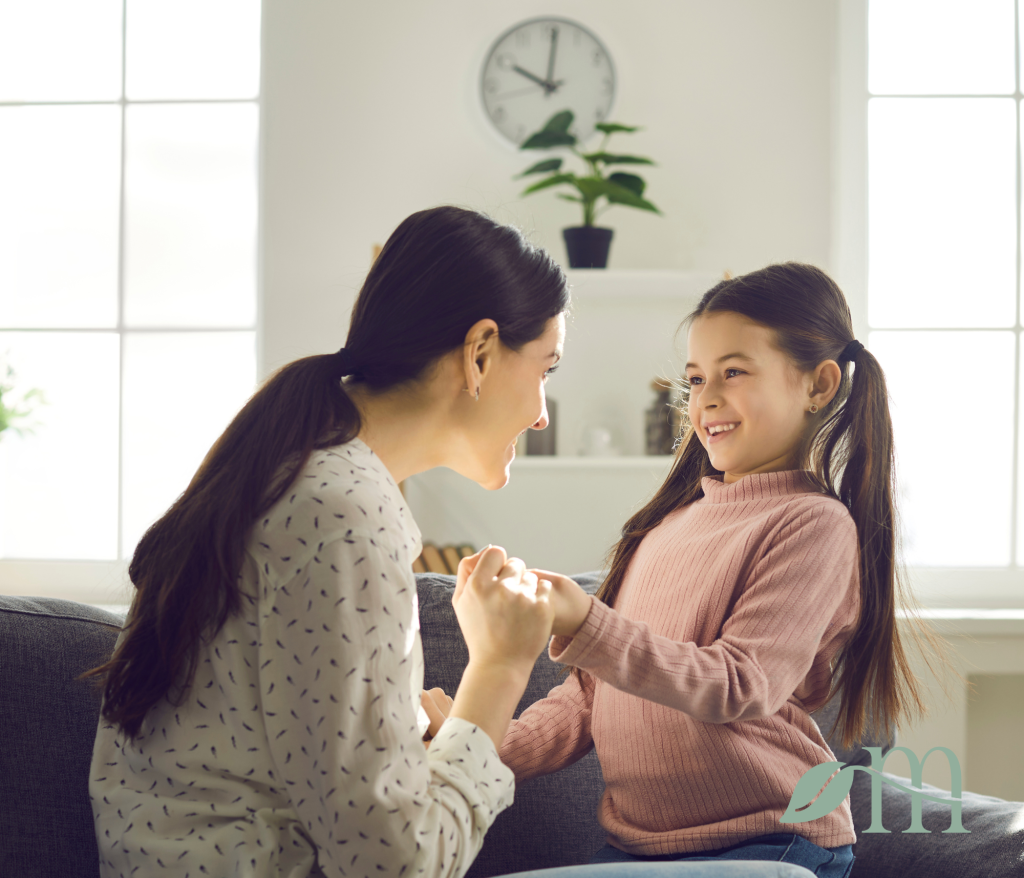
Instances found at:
x=437 y=705
x=503 y=610
x=570 y=602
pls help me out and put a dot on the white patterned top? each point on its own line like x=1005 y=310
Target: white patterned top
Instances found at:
x=297 y=750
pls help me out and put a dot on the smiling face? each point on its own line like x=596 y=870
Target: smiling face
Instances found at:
x=512 y=401
x=740 y=381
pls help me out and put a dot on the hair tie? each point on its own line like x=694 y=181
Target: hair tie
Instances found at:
x=851 y=350
x=342 y=363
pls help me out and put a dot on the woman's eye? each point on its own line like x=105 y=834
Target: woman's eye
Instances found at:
x=551 y=371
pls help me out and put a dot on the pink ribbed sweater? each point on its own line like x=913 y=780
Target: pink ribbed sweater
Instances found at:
x=700 y=682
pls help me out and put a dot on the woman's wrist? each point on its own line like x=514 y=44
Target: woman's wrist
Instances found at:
x=489 y=693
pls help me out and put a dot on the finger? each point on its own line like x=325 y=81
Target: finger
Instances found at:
x=492 y=562
x=440 y=699
x=433 y=713
x=512 y=573
x=465 y=570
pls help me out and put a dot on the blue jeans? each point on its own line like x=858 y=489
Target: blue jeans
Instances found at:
x=778 y=847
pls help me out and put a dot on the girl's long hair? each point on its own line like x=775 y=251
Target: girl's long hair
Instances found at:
x=851 y=456
x=440 y=272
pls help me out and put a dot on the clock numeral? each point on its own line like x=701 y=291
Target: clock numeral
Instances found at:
x=523 y=38
x=505 y=61
x=598 y=57
x=490 y=85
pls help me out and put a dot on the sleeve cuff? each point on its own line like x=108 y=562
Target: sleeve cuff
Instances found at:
x=577 y=650
x=465 y=757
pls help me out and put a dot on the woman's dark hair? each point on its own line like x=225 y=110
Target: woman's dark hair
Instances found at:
x=440 y=272
x=853 y=443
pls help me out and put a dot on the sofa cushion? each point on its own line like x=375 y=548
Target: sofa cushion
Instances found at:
x=994 y=847
x=49 y=723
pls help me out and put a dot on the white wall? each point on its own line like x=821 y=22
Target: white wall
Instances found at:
x=371 y=112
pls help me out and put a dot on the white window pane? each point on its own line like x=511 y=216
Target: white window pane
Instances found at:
x=193 y=49
x=58 y=485
x=190 y=215
x=60 y=182
x=60 y=50
x=941 y=47
x=942 y=212
x=936 y=380
x=180 y=391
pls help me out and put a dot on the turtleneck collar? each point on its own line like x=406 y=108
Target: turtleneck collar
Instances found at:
x=758 y=486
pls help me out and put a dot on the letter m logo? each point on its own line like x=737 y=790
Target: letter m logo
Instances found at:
x=823 y=788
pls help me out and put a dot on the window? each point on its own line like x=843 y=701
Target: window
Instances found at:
x=128 y=262
x=929 y=226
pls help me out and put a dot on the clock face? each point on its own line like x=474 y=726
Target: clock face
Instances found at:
x=541 y=67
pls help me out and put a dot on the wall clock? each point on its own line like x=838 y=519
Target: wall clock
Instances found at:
x=540 y=67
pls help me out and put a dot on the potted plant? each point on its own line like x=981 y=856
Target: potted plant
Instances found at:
x=587 y=244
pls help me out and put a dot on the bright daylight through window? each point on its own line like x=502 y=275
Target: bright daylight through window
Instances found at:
x=128 y=234
x=943 y=121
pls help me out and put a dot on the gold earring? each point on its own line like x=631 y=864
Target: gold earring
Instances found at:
x=814 y=408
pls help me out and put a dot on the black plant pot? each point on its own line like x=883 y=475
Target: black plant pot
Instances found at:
x=588 y=246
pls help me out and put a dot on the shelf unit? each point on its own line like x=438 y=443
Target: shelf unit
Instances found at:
x=564 y=512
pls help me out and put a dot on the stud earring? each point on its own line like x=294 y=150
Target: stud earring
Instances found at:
x=813 y=409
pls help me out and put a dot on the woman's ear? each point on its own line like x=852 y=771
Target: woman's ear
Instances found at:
x=826 y=382
x=478 y=352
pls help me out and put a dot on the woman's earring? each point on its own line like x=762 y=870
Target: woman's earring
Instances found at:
x=814 y=408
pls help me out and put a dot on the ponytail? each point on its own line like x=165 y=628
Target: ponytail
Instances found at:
x=440 y=272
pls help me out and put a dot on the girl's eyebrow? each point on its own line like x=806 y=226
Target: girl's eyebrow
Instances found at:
x=736 y=356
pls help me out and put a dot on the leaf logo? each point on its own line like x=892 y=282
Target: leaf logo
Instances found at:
x=818 y=793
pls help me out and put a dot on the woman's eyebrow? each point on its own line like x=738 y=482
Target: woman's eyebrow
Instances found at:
x=556 y=354
x=736 y=356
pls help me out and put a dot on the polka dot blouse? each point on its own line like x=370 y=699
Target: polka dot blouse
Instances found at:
x=297 y=751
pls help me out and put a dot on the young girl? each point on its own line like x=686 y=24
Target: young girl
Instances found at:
x=742 y=596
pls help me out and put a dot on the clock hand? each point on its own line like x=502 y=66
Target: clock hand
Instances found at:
x=551 y=56
x=541 y=82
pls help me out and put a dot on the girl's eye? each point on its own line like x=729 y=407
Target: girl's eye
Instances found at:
x=551 y=371
x=696 y=379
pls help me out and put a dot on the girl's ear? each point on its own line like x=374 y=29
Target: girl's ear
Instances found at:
x=478 y=352
x=825 y=382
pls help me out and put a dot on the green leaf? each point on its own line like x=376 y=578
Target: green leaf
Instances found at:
x=612 y=159
x=546 y=165
x=808 y=787
x=553 y=180
x=631 y=182
x=617 y=194
x=559 y=123
x=548 y=140
x=612 y=127
x=565 y=197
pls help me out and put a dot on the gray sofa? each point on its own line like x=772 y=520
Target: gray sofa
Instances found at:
x=47 y=724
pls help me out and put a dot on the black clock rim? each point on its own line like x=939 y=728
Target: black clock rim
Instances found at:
x=535 y=20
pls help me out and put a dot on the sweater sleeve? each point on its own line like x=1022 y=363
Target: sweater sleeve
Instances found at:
x=336 y=652
x=552 y=733
x=797 y=589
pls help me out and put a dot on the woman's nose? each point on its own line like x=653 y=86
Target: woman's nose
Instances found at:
x=543 y=421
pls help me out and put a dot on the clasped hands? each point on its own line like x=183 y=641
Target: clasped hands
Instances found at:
x=507 y=613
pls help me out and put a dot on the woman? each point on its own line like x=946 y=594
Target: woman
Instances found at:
x=262 y=711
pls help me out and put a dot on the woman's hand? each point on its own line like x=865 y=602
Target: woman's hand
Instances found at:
x=570 y=602
x=503 y=610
